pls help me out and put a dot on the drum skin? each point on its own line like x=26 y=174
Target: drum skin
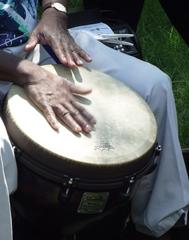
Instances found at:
x=121 y=143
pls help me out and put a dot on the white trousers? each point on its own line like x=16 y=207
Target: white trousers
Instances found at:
x=8 y=182
x=160 y=198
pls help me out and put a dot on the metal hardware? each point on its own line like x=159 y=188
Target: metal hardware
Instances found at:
x=158 y=149
x=157 y=152
x=66 y=189
x=17 y=151
x=130 y=184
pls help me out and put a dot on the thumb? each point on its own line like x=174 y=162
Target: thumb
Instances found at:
x=80 y=89
x=32 y=42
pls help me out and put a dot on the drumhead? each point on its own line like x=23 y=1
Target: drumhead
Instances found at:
x=121 y=143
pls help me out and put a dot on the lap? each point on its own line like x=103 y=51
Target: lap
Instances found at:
x=139 y=75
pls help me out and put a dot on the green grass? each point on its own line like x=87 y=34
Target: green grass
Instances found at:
x=75 y=5
x=162 y=46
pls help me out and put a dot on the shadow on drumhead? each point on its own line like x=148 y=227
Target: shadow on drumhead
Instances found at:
x=69 y=73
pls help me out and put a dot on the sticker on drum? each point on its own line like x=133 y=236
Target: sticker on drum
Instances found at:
x=93 y=202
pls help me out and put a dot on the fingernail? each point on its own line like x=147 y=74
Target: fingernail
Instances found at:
x=56 y=127
x=89 y=58
x=79 y=62
x=93 y=121
x=88 y=128
x=78 y=129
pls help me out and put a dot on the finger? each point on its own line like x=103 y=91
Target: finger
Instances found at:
x=50 y=116
x=63 y=54
x=45 y=108
x=69 y=56
x=79 y=118
x=89 y=117
x=84 y=55
x=71 y=50
x=58 y=52
x=32 y=42
x=76 y=58
x=79 y=89
x=65 y=117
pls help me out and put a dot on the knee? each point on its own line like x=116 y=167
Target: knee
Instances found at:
x=163 y=82
x=160 y=94
x=161 y=85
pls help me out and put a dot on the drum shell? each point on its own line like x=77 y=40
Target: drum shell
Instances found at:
x=38 y=201
x=42 y=198
x=45 y=188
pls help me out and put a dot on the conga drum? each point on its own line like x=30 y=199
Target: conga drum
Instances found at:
x=82 y=174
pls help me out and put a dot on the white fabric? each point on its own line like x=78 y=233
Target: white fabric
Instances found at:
x=8 y=181
x=159 y=199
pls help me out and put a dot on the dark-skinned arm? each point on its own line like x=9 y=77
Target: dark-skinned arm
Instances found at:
x=52 y=30
x=52 y=94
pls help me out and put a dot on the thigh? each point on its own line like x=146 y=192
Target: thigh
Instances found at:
x=141 y=76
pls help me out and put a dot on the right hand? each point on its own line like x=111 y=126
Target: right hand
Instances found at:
x=52 y=31
x=54 y=96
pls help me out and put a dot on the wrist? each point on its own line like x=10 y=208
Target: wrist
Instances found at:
x=26 y=72
x=54 y=12
x=58 y=6
x=19 y=71
x=14 y=70
x=54 y=17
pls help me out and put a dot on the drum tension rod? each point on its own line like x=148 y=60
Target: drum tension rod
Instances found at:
x=157 y=152
x=66 y=188
x=158 y=148
x=130 y=184
x=17 y=151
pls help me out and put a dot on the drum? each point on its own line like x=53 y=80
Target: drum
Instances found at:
x=82 y=174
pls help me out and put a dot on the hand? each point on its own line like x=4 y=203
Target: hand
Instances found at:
x=52 y=30
x=54 y=96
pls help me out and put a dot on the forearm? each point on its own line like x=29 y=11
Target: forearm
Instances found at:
x=15 y=69
x=52 y=13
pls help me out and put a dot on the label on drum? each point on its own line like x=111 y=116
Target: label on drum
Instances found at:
x=93 y=202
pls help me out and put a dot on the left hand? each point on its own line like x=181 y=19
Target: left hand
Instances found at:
x=55 y=97
x=52 y=30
